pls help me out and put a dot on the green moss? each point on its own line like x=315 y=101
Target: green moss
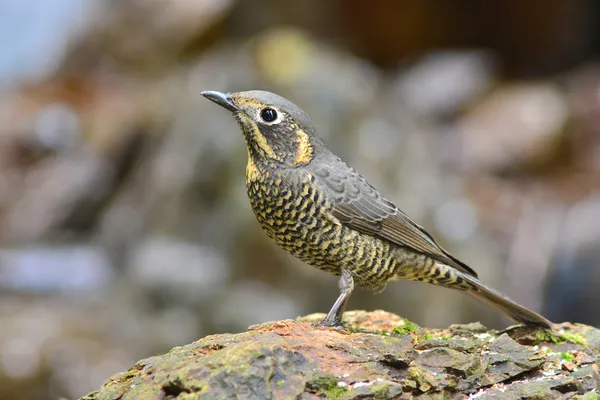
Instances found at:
x=354 y=329
x=405 y=329
x=574 y=338
x=380 y=390
x=279 y=383
x=129 y=374
x=327 y=385
x=335 y=392
x=545 y=336
x=423 y=379
x=567 y=357
x=589 y=396
x=384 y=332
x=427 y=336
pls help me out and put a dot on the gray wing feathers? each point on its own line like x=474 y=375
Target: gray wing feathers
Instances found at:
x=359 y=206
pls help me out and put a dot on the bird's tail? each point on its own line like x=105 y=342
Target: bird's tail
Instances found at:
x=503 y=304
x=450 y=277
x=438 y=273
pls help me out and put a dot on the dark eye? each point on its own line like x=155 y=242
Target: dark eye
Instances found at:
x=268 y=114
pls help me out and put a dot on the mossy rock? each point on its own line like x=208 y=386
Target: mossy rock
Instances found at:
x=383 y=356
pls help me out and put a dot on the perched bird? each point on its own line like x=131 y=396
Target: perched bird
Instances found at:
x=315 y=206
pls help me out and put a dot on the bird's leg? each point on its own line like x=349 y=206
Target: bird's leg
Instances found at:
x=346 y=285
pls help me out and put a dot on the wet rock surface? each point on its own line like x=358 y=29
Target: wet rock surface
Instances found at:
x=380 y=356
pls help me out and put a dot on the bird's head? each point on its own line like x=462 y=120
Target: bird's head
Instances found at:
x=276 y=130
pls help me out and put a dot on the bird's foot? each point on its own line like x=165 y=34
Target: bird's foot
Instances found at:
x=334 y=316
x=332 y=323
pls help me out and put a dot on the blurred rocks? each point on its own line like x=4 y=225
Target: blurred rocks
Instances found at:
x=49 y=191
x=456 y=219
x=260 y=302
x=443 y=83
x=58 y=346
x=543 y=36
x=28 y=26
x=516 y=127
x=66 y=269
x=188 y=272
x=569 y=294
x=144 y=37
x=575 y=260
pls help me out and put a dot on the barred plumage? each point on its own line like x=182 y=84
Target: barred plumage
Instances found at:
x=319 y=209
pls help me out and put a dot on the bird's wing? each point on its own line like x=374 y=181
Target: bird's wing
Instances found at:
x=359 y=206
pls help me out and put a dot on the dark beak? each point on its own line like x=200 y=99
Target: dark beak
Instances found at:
x=222 y=99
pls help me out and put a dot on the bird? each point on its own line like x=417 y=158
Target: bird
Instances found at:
x=318 y=208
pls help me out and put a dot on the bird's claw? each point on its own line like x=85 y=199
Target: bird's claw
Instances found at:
x=337 y=324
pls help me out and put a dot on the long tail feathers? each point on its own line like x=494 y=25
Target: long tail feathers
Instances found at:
x=505 y=305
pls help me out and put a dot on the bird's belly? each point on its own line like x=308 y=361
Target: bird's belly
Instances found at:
x=297 y=223
x=301 y=223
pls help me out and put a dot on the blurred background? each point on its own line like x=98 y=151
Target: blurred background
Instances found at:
x=124 y=224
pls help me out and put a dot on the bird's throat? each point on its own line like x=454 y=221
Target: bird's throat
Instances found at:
x=257 y=143
x=252 y=172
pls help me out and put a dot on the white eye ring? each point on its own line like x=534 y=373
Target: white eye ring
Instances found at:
x=264 y=114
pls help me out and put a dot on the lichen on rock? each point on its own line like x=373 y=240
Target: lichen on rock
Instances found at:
x=292 y=359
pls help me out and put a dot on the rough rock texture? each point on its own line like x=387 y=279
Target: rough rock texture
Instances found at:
x=381 y=356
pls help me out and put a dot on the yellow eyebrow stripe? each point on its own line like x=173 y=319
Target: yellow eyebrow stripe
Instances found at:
x=242 y=102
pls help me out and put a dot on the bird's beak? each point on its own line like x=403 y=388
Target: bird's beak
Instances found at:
x=222 y=99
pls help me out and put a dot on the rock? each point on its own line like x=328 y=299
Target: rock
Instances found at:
x=66 y=269
x=392 y=359
x=445 y=82
x=516 y=126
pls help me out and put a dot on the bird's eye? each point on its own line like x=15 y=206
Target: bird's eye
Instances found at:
x=268 y=114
